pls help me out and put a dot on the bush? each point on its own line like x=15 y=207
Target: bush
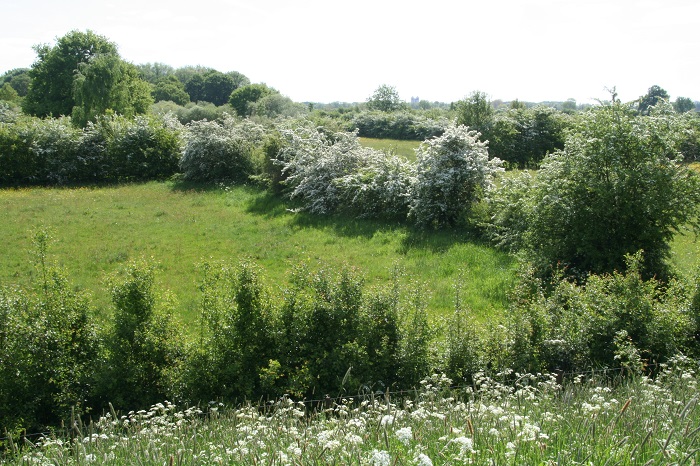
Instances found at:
x=522 y=137
x=381 y=187
x=49 y=348
x=144 y=349
x=397 y=125
x=311 y=161
x=142 y=148
x=573 y=327
x=221 y=151
x=453 y=171
x=617 y=187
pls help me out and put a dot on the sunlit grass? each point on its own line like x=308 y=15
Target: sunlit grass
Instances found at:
x=398 y=147
x=97 y=230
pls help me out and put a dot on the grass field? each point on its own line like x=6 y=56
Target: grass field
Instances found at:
x=404 y=148
x=97 y=230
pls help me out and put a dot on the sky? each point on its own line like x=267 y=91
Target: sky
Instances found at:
x=437 y=50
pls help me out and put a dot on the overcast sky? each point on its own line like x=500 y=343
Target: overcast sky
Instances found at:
x=438 y=50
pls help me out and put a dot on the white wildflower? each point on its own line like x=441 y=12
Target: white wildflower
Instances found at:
x=405 y=435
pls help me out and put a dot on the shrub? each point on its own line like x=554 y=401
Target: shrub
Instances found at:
x=143 y=148
x=397 y=125
x=573 y=327
x=143 y=343
x=617 y=187
x=452 y=172
x=311 y=162
x=381 y=187
x=49 y=348
x=220 y=151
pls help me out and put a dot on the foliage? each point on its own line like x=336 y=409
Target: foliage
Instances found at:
x=683 y=104
x=8 y=93
x=49 y=348
x=51 y=89
x=276 y=105
x=155 y=72
x=385 y=99
x=397 y=125
x=243 y=98
x=170 y=88
x=311 y=160
x=475 y=111
x=653 y=97
x=18 y=79
x=573 y=326
x=617 y=187
x=380 y=188
x=192 y=111
x=221 y=151
x=144 y=348
x=104 y=83
x=142 y=148
x=452 y=172
x=522 y=137
x=114 y=148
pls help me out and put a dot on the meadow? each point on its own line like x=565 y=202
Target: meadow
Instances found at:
x=96 y=230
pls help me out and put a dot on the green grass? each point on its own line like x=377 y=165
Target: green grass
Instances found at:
x=97 y=230
x=404 y=148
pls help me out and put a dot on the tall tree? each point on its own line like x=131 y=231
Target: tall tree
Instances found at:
x=385 y=98
x=51 y=88
x=170 y=88
x=106 y=82
x=683 y=104
x=476 y=112
x=651 y=98
x=218 y=87
x=155 y=72
x=242 y=98
x=18 y=78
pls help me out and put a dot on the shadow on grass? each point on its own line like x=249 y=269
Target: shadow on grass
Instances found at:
x=270 y=205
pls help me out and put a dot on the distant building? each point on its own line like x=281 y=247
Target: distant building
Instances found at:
x=415 y=100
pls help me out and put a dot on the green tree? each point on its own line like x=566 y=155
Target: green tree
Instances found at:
x=8 y=93
x=195 y=87
x=217 y=87
x=476 y=112
x=106 y=82
x=170 y=88
x=242 y=98
x=651 y=98
x=683 y=104
x=18 y=78
x=51 y=88
x=617 y=187
x=155 y=72
x=239 y=79
x=385 y=98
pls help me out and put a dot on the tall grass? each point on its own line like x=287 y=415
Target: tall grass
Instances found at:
x=531 y=419
x=96 y=230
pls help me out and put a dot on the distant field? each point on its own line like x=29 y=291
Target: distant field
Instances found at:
x=97 y=230
x=404 y=148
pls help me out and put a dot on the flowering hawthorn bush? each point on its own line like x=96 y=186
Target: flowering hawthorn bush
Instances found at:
x=220 y=151
x=452 y=171
x=333 y=172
